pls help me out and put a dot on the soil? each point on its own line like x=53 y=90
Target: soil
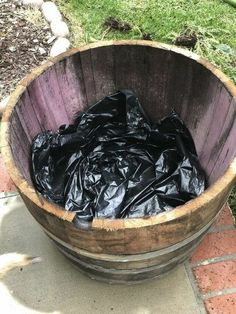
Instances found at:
x=146 y=36
x=187 y=39
x=23 y=45
x=114 y=24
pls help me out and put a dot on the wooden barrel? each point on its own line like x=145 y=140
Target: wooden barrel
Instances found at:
x=163 y=77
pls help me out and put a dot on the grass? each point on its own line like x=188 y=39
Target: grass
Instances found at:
x=212 y=20
x=232 y=201
x=34 y=16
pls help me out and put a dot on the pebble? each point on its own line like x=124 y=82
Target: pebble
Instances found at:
x=51 y=39
x=50 y=11
x=59 y=46
x=36 y=3
x=12 y=48
x=42 y=51
x=3 y=104
x=59 y=28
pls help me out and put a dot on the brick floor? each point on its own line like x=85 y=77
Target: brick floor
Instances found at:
x=6 y=184
x=216 y=276
x=214 y=266
x=216 y=244
x=225 y=217
x=225 y=304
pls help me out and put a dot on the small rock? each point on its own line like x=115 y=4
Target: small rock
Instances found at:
x=59 y=28
x=18 y=2
x=59 y=46
x=51 y=39
x=42 y=51
x=12 y=48
x=50 y=11
x=225 y=49
x=3 y=104
x=35 y=41
x=36 y=3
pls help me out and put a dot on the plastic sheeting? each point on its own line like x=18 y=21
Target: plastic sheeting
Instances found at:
x=113 y=162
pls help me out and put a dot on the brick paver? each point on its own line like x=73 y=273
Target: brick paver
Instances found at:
x=216 y=244
x=6 y=184
x=225 y=217
x=216 y=276
x=215 y=272
x=225 y=304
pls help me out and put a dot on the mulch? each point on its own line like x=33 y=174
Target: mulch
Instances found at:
x=23 y=45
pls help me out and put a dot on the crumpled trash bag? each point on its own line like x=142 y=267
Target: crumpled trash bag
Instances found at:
x=113 y=162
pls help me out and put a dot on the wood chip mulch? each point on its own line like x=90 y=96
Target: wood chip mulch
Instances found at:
x=23 y=45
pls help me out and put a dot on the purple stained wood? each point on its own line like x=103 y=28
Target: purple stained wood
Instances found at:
x=145 y=71
x=52 y=97
x=44 y=115
x=20 y=146
x=226 y=145
x=87 y=68
x=201 y=133
x=215 y=137
x=179 y=83
x=28 y=118
x=162 y=79
x=71 y=83
x=103 y=71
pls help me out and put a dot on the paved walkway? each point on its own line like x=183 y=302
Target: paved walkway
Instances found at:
x=205 y=284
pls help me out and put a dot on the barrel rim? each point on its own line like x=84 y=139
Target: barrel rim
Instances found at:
x=23 y=186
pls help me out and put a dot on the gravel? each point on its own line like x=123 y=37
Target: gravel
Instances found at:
x=24 y=43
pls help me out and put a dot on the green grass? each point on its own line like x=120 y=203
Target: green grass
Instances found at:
x=232 y=201
x=213 y=20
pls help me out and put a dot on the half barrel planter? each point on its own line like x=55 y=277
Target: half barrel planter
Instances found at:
x=164 y=77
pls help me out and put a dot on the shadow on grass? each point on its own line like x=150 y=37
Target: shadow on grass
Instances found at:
x=232 y=201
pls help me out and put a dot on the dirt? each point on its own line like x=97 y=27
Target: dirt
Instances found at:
x=186 y=39
x=115 y=24
x=146 y=36
x=24 y=44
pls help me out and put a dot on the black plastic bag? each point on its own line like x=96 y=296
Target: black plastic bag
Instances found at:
x=113 y=162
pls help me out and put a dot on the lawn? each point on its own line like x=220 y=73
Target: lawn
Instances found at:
x=213 y=21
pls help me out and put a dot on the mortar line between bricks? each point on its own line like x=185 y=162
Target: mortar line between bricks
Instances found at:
x=193 y=283
x=218 y=293
x=222 y=228
x=228 y=257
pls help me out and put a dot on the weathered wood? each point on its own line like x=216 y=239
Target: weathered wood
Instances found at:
x=71 y=83
x=103 y=72
x=87 y=68
x=164 y=77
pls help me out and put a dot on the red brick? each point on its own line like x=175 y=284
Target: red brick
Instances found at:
x=224 y=218
x=225 y=304
x=216 y=244
x=6 y=184
x=216 y=276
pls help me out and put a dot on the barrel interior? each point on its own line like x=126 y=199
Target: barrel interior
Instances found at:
x=163 y=80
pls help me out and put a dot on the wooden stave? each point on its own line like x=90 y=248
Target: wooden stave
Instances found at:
x=99 y=241
x=136 y=261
